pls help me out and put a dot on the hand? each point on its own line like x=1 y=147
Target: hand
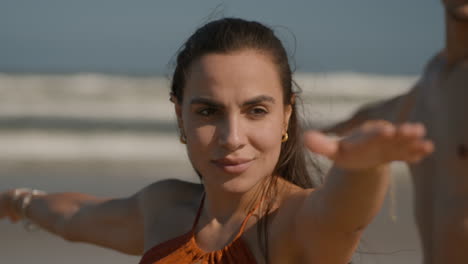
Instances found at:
x=373 y=144
x=7 y=206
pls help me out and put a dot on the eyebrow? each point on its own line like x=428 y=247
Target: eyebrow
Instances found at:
x=213 y=103
x=259 y=99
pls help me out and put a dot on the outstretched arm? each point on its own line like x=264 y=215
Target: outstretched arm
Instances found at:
x=111 y=223
x=355 y=188
x=395 y=109
x=78 y=217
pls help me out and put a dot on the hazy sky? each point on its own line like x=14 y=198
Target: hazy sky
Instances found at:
x=141 y=36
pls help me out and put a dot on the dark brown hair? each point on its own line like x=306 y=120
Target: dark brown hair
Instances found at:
x=232 y=34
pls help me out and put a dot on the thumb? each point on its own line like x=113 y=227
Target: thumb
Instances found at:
x=321 y=144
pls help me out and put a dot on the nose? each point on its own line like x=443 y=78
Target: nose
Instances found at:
x=231 y=134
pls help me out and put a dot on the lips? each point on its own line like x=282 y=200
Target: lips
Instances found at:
x=233 y=166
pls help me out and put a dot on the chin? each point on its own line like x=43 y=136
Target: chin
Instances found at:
x=239 y=183
x=236 y=183
x=239 y=187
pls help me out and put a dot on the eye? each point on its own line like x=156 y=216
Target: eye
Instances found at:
x=258 y=111
x=207 y=111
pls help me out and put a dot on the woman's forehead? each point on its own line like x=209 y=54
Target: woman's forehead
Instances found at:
x=246 y=72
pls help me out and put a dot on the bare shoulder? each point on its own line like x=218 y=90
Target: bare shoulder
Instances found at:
x=168 y=208
x=297 y=195
x=284 y=224
x=292 y=201
x=293 y=206
x=168 y=193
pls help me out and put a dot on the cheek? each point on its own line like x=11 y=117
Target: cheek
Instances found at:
x=198 y=133
x=266 y=139
x=198 y=145
x=199 y=137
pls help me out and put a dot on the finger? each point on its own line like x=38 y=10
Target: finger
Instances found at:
x=379 y=129
x=374 y=133
x=321 y=144
x=373 y=125
x=415 y=158
x=410 y=131
x=407 y=141
x=417 y=151
x=425 y=148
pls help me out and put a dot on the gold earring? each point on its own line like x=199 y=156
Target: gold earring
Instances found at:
x=183 y=138
x=285 y=137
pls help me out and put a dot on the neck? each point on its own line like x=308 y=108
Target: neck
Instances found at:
x=456 y=49
x=225 y=206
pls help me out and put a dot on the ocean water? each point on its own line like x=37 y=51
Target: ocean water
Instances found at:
x=141 y=37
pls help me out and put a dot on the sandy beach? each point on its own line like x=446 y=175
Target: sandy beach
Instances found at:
x=112 y=135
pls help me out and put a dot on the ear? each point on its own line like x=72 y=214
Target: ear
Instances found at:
x=287 y=115
x=178 y=110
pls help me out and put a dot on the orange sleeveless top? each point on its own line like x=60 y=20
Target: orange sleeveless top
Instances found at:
x=184 y=249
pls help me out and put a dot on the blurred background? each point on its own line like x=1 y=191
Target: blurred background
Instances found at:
x=84 y=96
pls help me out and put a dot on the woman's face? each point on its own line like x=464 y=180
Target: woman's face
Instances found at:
x=233 y=116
